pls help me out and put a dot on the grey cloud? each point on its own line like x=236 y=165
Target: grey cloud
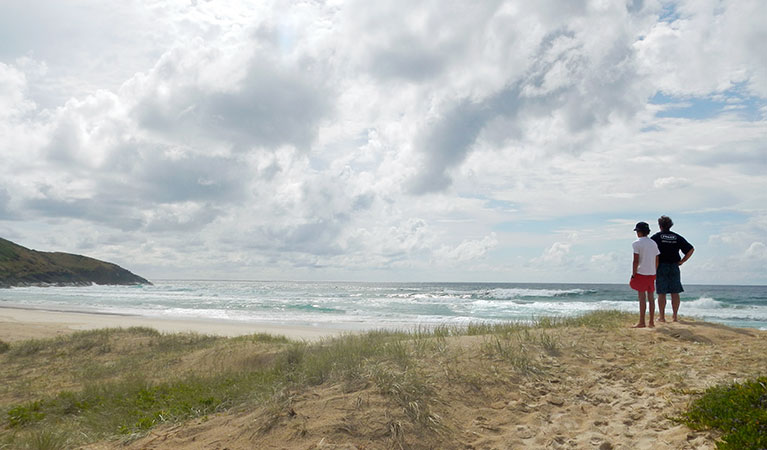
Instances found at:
x=130 y=189
x=634 y=6
x=114 y=214
x=447 y=143
x=5 y=201
x=314 y=237
x=64 y=142
x=591 y=93
x=363 y=201
x=171 y=221
x=749 y=157
x=270 y=107
x=407 y=59
x=191 y=177
x=420 y=50
x=312 y=223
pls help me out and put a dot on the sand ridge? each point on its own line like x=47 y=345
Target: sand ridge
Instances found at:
x=614 y=389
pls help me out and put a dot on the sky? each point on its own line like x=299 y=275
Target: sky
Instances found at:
x=508 y=141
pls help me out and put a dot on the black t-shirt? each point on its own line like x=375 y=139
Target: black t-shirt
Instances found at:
x=669 y=244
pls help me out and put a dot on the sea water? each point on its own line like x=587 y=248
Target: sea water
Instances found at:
x=363 y=306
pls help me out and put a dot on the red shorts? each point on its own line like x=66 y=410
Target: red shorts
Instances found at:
x=642 y=283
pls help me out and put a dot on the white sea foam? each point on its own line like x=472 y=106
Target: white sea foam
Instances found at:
x=705 y=303
x=514 y=293
x=378 y=305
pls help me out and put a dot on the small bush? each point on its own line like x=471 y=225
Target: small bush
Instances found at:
x=4 y=347
x=739 y=411
x=25 y=414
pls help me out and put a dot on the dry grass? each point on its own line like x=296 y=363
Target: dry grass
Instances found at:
x=432 y=388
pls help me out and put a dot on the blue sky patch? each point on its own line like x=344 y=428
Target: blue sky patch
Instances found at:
x=733 y=101
x=669 y=13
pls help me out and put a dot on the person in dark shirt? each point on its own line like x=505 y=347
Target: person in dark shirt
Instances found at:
x=668 y=278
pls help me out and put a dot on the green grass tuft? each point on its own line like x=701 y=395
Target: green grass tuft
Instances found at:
x=739 y=411
x=4 y=347
x=27 y=413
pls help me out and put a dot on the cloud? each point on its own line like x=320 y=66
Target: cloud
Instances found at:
x=707 y=47
x=554 y=255
x=334 y=139
x=467 y=250
x=670 y=182
x=572 y=81
x=5 y=200
x=198 y=94
x=13 y=100
x=757 y=251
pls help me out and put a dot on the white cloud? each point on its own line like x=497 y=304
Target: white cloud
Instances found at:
x=710 y=47
x=348 y=138
x=611 y=262
x=467 y=250
x=670 y=182
x=13 y=100
x=757 y=251
x=554 y=255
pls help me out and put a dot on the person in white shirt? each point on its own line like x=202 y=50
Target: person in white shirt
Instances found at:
x=643 y=272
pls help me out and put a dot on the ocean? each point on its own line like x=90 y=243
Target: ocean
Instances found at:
x=365 y=306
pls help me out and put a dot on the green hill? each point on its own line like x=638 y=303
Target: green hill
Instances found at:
x=20 y=266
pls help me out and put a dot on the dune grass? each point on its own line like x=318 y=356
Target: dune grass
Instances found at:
x=116 y=384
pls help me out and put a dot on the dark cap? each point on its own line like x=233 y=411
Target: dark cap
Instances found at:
x=643 y=227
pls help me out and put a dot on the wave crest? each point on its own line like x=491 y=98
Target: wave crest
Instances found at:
x=521 y=293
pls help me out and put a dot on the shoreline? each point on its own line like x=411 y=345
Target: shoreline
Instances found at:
x=20 y=323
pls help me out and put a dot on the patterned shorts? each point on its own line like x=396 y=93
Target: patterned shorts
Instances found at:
x=668 y=280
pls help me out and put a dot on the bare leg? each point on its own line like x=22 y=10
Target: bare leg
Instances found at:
x=642 y=307
x=661 y=307
x=675 y=306
x=651 y=302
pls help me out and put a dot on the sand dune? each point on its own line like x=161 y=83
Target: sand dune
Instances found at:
x=601 y=389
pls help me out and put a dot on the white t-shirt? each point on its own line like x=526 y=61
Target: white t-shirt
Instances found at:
x=647 y=250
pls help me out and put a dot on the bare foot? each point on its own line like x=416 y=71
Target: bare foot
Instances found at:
x=639 y=325
x=676 y=320
x=651 y=325
x=662 y=319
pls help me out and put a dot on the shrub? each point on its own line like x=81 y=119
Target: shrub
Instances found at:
x=739 y=411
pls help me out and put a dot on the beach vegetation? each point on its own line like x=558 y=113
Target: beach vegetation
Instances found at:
x=598 y=320
x=4 y=346
x=25 y=414
x=118 y=384
x=737 y=410
x=43 y=440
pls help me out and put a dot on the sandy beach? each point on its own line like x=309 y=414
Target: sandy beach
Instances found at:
x=25 y=323
x=599 y=388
